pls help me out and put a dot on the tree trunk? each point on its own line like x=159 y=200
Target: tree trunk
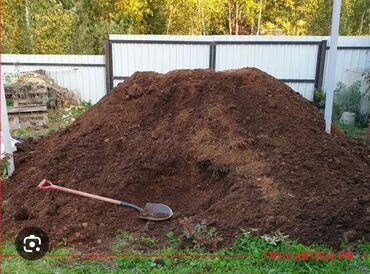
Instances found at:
x=259 y=18
x=169 y=22
x=230 y=23
x=203 y=24
x=237 y=18
x=362 y=21
x=28 y=26
x=199 y=18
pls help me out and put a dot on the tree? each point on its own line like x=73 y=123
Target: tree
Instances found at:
x=82 y=26
x=355 y=17
x=36 y=26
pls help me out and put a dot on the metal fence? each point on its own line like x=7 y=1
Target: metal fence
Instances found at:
x=300 y=61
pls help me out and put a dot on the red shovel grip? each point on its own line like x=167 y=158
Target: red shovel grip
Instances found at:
x=45 y=184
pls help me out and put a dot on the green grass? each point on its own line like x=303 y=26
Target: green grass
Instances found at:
x=357 y=133
x=246 y=243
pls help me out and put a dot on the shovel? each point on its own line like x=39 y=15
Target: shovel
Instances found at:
x=151 y=211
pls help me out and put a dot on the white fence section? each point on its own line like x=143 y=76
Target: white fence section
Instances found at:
x=297 y=60
x=83 y=74
x=131 y=53
x=353 y=58
x=140 y=57
x=293 y=59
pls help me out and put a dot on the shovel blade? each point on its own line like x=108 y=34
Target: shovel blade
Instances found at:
x=156 y=212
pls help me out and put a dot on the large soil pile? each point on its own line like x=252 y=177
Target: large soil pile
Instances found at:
x=238 y=148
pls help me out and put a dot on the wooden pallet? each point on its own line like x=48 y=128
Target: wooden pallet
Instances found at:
x=37 y=97
x=29 y=116
x=29 y=109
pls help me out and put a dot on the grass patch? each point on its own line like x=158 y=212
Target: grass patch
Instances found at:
x=357 y=133
x=148 y=241
x=246 y=243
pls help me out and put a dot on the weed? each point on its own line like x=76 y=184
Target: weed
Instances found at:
x=350 y=99
x=201 y=234
x=275 y=238
x=124 y=238
x=148 y=241
x=52 y=130
x=65 y=241
x=215 y=172
x=319 y=99
x=4 y=166
x=73 y=112
x=4 y=205
x=21 y=132
x=173 y=240
x=354 y=132
x=9 y=101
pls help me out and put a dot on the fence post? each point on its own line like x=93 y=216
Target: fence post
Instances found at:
x=8 y=150
x=212 y=55
x=108 y=65
x=320 y=65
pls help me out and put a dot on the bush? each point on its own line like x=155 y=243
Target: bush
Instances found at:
x=350 y=98
x=319 y=99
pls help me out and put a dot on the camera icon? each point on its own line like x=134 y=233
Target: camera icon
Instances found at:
x=32 y=243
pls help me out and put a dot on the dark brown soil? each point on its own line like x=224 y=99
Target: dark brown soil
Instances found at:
x=238 y=148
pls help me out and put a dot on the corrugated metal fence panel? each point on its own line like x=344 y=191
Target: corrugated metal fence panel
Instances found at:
x=352 y=60
x=284 y=61
x=305 y=89
x=149 y=37
x=83 y=74
x=131 y=57
x=351 y=64
x=128 y=58
x=278 y=60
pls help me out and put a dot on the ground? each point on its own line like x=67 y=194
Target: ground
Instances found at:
x=246 y=244
x=169 y=257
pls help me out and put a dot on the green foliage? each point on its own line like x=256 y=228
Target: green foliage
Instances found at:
x=319 y=99
x=51 y=130
x=4 y=166
x=350 y=98
x=357 y=133
x=124 y=238
x=36 y=26
x=166 y=262
x=4 y=204
x=73 y=112
x=21 y=132
x=148 y=241
x=9 y=101
x=201 y=234
x=82 y=26
x=172 y=240
x=354 y=20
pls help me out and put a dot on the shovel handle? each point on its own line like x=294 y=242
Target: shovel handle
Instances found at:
x=45 y=184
